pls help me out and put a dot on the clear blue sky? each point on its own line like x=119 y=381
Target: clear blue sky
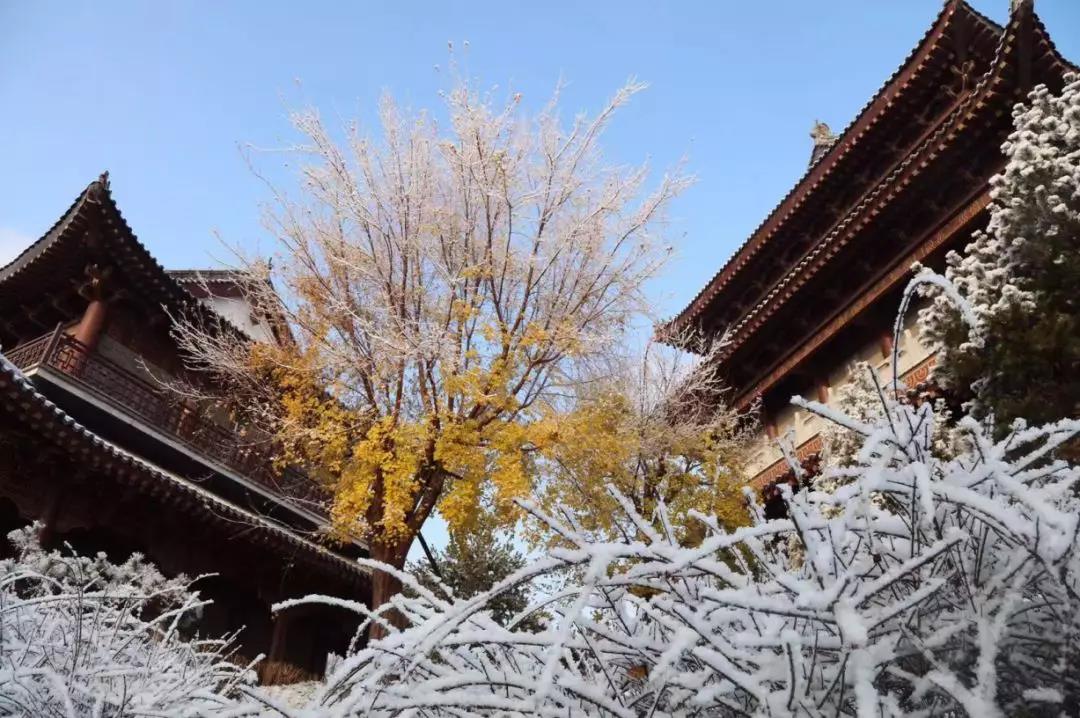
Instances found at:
x=162 y=94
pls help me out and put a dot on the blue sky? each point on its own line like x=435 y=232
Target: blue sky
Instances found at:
x=162 y=94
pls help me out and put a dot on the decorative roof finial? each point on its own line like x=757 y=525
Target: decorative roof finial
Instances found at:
x=821 y=133
x=1015 y=5
x=104 y=179
x=823 y=138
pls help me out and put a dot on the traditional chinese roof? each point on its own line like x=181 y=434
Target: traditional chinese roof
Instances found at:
x=957 y=86
x=40 y=288
x=43 y=280
x=225 y=277
x=92 y=226
x=32 y=410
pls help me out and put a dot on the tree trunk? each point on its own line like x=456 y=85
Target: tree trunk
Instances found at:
x=385 y=586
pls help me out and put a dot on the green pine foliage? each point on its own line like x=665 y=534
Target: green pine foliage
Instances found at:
x=472 y=563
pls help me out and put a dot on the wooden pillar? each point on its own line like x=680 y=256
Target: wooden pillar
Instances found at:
x=822 y=387
x=95 y=290
x=770 y=428
x=89 y=329
x=886 y=344
x=279 y=636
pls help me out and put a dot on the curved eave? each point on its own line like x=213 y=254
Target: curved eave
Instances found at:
x=48 y=242
x=95 y=208
x=45 y=419
x=1060 y=65
x=999 y=81
x=849 y=142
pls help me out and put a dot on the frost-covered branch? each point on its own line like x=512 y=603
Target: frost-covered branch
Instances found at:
x=80 y=636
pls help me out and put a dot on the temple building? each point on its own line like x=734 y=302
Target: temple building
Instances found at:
x=96 y=448
x=815 y=289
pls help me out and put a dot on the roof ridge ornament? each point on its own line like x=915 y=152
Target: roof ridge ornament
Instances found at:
x=1016 y=5
x=823 y=138
x=99 y=188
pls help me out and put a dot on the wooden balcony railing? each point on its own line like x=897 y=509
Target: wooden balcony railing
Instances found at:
x=169 y=414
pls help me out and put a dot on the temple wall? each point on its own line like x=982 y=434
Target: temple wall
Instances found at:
x=131 y=361
x=238 y=311
x=803 y=426
x=130 y=336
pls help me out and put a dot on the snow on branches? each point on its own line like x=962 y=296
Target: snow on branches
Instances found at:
x=928 y=585
x=80 y=636
x=1019 y=276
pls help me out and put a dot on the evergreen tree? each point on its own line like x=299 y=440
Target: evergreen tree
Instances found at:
x=1021 y=276
x=472 y=563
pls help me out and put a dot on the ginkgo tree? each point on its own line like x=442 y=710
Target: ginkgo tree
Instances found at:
x=448 y=283
x=656 y=429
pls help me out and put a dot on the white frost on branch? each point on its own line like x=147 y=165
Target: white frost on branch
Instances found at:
x=80 y=636
x=929 y=585
x=1021 y=269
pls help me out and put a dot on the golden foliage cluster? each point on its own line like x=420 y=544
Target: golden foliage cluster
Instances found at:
x=608 y=442
x=491 y=455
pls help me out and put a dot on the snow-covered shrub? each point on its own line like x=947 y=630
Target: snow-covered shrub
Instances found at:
x=957 y=592
x=134 y=576
x=1020 y=276
x=80 y=636
x=861 y=399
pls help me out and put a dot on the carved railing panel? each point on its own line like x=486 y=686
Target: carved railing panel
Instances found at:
x=29 y=353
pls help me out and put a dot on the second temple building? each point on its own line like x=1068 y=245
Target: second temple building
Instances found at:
x=814 y=291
